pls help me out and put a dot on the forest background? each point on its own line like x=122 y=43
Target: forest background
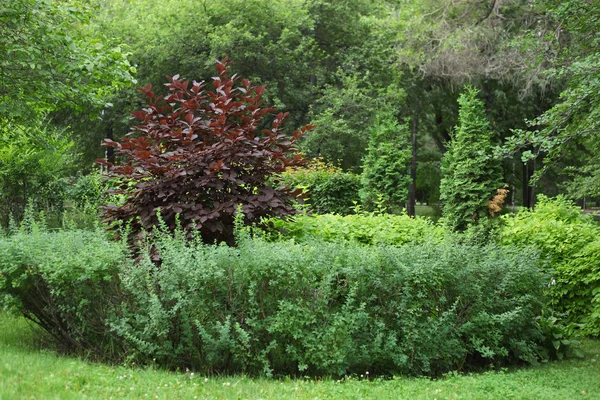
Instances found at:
x=379 y=79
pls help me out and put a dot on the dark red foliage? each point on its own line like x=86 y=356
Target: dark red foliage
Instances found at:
x=199 y=154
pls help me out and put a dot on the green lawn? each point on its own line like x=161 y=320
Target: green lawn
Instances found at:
x=28 y=373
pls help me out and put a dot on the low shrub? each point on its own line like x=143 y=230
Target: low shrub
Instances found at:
x=67 y=283
x=569 y=241
x=280 y=308
x=328 y=189
x=369 y=229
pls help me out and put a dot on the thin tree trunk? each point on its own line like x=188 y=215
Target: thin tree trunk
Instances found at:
x=532 y=188
x=412 y=190
x=110 y=151
x=525 y=185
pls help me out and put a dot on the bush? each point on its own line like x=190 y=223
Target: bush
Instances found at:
x=569 y=241
x=84 y=196
x=281 y=308
x=332 y=308
x=369 y=229
x=67 y=283
x=196 y=155
x=327 y=188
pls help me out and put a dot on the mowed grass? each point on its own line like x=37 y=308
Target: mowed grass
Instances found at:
x=30 y=373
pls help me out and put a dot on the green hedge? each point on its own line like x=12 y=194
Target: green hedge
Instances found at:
x=280 y=308
x=570 y=243
x=369 y=229
x=328 y=189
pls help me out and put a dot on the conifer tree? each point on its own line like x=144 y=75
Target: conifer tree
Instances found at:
x=385 y=167
x=470 y=174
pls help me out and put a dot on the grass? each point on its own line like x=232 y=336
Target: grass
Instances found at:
x=29 y=373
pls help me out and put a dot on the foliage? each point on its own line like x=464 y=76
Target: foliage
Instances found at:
x=569 y=241
x=385 y=165
x=470 y=175
x=364 y=228
x=84 y=196
x=51 y=61
x=199 y=154
x=87 y=189
x=570 y=48
x=332 y=308
x=65 y=282
x=341 y=114
x=280 y=308
x=326 y=188
x=34 y=159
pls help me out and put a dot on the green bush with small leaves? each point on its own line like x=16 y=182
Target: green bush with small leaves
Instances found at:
x=67 y=282
x=364 y=228
x=570 y=243
x=279 y=308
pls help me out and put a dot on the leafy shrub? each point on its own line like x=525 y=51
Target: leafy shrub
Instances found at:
x=332 y=308
x=84 y=196
x=569 y=240
x=365 y=228
x=67 y=283
x=328 y=189
x=198 y=154
x=280 y=308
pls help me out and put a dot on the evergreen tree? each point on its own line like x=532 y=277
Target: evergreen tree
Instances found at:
x=385 y=167
x=470 y=175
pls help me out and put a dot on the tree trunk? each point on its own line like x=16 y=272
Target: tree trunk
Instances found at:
x=110 y=151
x=528 y=191
x=412 y=190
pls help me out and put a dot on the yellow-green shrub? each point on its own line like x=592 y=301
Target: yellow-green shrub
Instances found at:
x=570 y=242
x=369 y=229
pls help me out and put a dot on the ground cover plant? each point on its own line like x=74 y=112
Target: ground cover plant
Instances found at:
x=28 y=372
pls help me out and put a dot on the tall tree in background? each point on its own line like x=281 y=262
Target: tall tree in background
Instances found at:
x=470 y=174
x=449 y=43
x=571 y=47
